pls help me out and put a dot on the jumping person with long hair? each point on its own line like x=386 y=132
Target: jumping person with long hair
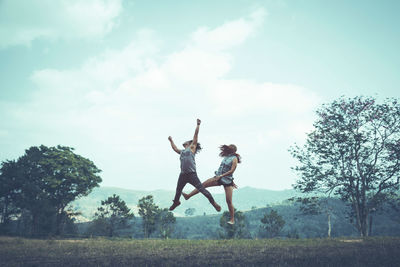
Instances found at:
x=224 y=176
x=188 y=169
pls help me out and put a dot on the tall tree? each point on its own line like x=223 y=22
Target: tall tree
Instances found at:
x=50 y=178
x=9 y=192
x=272 y=223
x=112 y=215
x=165 y=221
x=354 y=153
x=237 y=230
x=149 y=212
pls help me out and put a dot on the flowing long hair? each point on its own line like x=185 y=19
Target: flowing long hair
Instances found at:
x=229 y=151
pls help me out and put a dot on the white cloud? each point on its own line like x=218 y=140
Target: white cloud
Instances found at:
x=196 y=65
x=205 y=56
x=100 y=97
x=235 y=97
x=22 y=22
x=120 y=106
x=230 y=34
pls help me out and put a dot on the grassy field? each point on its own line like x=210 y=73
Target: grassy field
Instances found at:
x=266 y=252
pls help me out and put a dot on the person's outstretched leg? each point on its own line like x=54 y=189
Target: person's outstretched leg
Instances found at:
x=179 y=187
x=207 y=183
x=194 y=180
x=228 y=195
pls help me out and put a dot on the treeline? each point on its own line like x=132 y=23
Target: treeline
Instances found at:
x=286 y=220
x=352 y=155
x=36 y=191
x=114 y=218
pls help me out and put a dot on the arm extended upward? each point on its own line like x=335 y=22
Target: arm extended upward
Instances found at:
x=195 y=137
x=173 y=145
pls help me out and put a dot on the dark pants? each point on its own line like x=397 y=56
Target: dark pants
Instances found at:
x=192 y=179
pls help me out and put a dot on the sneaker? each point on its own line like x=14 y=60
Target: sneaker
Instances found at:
x=231 y=223
x=174 y=205
x=216 y=206
x=186 y=196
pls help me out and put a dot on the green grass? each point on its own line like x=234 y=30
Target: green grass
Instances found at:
x=265 y=252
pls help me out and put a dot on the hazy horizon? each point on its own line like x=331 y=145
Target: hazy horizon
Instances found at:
x=189 y=187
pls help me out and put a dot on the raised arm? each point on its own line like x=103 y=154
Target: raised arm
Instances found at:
x=173 y=145
x=195 y=137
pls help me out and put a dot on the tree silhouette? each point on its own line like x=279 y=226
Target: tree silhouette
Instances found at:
x=237 y=230
x=149 y=211
x=10 y=185
x=272 y=223
x=112 y=215
x=354 y=153
x=45 y=181
x=165 y=222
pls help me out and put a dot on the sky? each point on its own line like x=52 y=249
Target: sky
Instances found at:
x=114 y=78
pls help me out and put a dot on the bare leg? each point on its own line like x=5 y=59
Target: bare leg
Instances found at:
x=206 y=183
x=228 y=195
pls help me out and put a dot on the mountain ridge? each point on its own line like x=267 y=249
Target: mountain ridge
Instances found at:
x=245 y=198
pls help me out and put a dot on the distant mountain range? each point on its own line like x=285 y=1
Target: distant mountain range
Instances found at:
x=251 y=201
x=245 y=198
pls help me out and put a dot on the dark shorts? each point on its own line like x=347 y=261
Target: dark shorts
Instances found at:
x=190 y=178
x=225 y=181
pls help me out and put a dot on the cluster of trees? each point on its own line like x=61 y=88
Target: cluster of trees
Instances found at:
x=36 y=189
x=300 y=222
x=237 y=230
x=114 y=215
x=111 y=216
x=271 y=225
x=155 y=218
x=352 y=154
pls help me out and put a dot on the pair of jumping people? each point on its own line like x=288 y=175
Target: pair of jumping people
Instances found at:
x=223 y=176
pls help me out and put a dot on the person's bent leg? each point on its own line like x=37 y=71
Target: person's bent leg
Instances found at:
x=194 y=180
x=179 y=187
x=228 y=195
x=207 y=183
